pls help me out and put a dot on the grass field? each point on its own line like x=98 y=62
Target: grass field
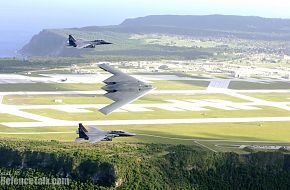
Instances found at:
x=163 y=114
x=99 y=99
x=274 y=97
x=50 y=99
x=11 y=118
x=262 y=131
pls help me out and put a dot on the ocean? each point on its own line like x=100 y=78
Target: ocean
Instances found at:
x=12 y=41
x=9 y=49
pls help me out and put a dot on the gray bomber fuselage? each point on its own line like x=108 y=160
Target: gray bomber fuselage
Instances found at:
x=126 y=86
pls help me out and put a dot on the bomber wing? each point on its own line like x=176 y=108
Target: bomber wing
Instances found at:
x=118 y=76
x=122 y=89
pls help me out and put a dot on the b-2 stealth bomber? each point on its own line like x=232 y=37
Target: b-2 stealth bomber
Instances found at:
x=122 y=88
x=94 y=135
x=79 y=43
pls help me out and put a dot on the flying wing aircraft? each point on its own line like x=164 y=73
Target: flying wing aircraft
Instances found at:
x=122 y=88
x=94 y=135
x=85 y=44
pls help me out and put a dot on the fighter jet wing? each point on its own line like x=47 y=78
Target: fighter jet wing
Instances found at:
x=95 y=130
x=83 y=45
x=96 y=138
x=123 y=99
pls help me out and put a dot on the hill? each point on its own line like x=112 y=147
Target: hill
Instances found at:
x=155 y=37
x=214 y=23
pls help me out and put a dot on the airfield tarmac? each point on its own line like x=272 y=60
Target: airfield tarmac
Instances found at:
x=180 y=102
x=172 y=105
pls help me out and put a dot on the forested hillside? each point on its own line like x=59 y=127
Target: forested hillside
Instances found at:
x=143 y=166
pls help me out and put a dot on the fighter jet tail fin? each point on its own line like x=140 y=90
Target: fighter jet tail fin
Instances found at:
x=82 y=131
x=72 y=41
x=82 y=127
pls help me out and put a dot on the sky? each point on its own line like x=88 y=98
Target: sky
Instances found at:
x=23 y=18
x=38 y=14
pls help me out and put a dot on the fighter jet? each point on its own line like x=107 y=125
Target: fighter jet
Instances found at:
x=95 y=135
x=122 y=88
x=84 y=44
x=63 y=80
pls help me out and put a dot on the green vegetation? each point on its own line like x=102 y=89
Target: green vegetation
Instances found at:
x=176 y=41
x=36 y=129
x=51 y=99
x=259 y=131
x=151 y=98
x=170 y=134
x=142 y=166
x=99 y=99
x=162 y=114
x=11 y=118
x=275 y=97
x=13 y=65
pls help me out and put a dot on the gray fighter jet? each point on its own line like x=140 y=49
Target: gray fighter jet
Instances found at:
x=85 y=44
x=122 y=88
x=95 y=135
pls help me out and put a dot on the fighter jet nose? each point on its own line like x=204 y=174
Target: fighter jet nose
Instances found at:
x=131 y=134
